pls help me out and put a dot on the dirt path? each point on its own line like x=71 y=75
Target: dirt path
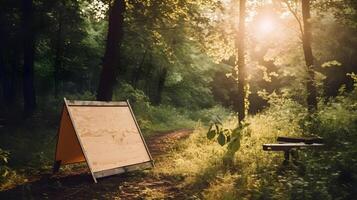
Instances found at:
x=134 y=185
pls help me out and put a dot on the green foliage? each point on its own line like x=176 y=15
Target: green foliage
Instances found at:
x=225 y=136
x=328 y=173
x=332 y=63
x=162 y=117
x=4 y=170
x=128 y=92
x=335 y=169
x=152 y=118
x=172 y=59
x=8 y=176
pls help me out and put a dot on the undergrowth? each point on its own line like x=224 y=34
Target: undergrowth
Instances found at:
x=27 y=146
x=199 y=164
x=328 y=173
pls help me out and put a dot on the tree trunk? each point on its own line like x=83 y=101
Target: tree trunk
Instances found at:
x=241 y=107
x=138 y=71
x=8 y=83
x=58 y=55
x=8 y=74
x=29 y=50
x=160 y=85
x=12 y=74
x=148 y=70
x=112 y=51
x=2 y=63
x=309 y=59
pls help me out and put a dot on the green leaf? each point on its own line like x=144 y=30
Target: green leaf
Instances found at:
x=221 y=139
x=234 y=145
x=211 y=134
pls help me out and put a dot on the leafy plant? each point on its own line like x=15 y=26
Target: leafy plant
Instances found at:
x=217 y=131
x=225 y=135
x=4 y=170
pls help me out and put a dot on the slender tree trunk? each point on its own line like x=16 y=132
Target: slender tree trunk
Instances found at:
x=7 y=84
x=149 y=73
x=12 y=74
x=112 y=51
x=2 y=80
x=2 y=63
x=29 y=50
x=309 y=59
x=8 y=77
x=160 y=85
x=58 y=55
x=241 y=107
x=137 y=72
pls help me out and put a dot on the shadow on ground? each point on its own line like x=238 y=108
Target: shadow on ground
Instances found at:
x=79 y=184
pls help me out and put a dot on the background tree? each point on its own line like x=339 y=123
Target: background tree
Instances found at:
x=112 y=51
x=306 y=35
x=242 y=87
x=309 y=58
x=8 y=62
x=175 y=53
x=29 y=53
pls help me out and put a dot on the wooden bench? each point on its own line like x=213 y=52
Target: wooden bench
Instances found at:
x=287 y=144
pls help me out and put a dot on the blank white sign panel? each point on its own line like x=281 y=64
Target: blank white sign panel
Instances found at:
x=109 y=136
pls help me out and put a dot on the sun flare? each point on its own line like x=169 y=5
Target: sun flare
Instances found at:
x=266 y=25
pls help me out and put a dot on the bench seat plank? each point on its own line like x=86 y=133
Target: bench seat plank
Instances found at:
x=288 y=146
x=309 y=140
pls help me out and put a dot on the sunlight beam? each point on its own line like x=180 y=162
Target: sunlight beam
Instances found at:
x=266 y=25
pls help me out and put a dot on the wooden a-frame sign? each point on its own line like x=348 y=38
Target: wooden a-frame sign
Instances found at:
x=105 y=135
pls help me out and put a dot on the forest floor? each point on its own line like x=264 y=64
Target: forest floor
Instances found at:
x=78 y=183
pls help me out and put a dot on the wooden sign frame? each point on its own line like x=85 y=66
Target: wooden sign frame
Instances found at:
x=107 y=172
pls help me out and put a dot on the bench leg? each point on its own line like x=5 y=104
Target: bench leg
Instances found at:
x=294 y=156
x=286 y=157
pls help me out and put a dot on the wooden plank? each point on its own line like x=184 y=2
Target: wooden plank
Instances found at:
x=300 y=139
x=288 y=146
x=79 y=140
x=123 y=169
x=96 y=103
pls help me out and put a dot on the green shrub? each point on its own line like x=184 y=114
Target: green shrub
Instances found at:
x=4 y=169
x=335 y=169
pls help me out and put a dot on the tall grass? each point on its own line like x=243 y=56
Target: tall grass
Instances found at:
x=256 y=174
